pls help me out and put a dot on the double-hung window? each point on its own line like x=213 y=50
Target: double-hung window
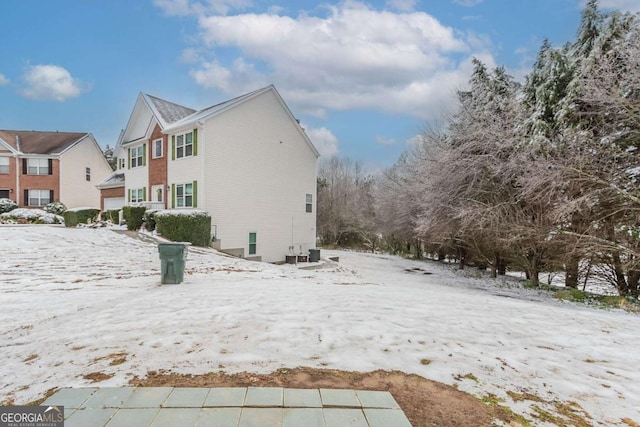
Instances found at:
x=39 y=197
x=309 y=203
x=184 y=145
x=184 y=195
x=4 y=165
x=122 y=163
x=137 y=156
x=137 y=195
x=157 y=148
x=87 y=174
x=38 y=167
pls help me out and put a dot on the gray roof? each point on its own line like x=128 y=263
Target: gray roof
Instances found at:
x=168 y=112
x=116 y=179
x=37 y=142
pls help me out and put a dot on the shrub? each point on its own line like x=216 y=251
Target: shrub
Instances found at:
x=57 y=208
x=7 y=205
x=30 y=216
x=150 y=219
x=74 y=217
x=185 y=226
x=113 y=215
x=133 y=216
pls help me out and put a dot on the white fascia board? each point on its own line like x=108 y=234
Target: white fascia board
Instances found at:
x=4 y=143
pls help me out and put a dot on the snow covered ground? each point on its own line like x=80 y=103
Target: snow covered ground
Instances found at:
x=80 y=301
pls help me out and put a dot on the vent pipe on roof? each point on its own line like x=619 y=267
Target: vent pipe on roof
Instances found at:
x=18 y=143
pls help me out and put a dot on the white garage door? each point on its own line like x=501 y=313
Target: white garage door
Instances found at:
x=111 y=203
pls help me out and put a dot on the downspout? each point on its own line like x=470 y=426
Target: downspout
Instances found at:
x=18 y=171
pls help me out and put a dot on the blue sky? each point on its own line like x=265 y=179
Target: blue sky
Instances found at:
x=364 y=78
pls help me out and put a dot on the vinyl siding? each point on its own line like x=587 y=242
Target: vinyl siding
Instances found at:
x=75 y=190
x=258 y=171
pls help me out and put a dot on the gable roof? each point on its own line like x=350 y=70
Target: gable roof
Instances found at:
x=36 y=142
x=116 y=179
x=217 y=108
x=166 y=112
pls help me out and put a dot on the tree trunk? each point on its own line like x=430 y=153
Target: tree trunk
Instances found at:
x=621 y=281
x=571 y=278
x=501 y=265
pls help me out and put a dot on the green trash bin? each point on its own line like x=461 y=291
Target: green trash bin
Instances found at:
x=172 y=260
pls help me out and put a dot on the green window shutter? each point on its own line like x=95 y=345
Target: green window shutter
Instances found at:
x=129 y=195
x=195 y=142
x=173 y=147
x=144 y=154
x=195 y=194
x=144 y=194
x=173 y=196
x=129 y=159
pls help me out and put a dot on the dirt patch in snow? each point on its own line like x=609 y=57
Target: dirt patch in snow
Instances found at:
x=426 y=403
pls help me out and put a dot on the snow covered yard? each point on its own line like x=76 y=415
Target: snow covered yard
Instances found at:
x=85 y=302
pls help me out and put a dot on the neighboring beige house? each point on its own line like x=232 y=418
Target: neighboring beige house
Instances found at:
x=41 y=167
x=246 y=161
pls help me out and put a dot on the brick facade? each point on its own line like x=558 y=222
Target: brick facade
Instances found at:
x=35 y=182
x=8 y=180
x=108 y=193
x=158 y=166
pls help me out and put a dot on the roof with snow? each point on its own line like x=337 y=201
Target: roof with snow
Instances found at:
x=37 y=142
x=167 y=112
x=116 y=179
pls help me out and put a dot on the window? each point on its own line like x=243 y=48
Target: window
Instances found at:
x=122 y=163
x=252 y=243
x=136 y=195
x=184 y=145
x=184 y=195
x=137 y=156
x=4 y=165
x=309 y=203
x=39 y=197
x=38 y=167
x=87 y=173
x=157 y=148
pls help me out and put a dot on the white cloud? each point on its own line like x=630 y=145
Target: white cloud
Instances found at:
x=50 y=82
x=467 y=3
x=403 y=5
x=324 y=140
x=240 y=77
x=3 y=80
x=353 y=57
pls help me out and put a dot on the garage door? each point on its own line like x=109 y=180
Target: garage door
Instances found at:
x=111 y=203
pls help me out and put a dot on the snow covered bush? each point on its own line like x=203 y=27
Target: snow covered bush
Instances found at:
x=7 y=205
x=30 y=216
x=184 y=225
x=57 y=208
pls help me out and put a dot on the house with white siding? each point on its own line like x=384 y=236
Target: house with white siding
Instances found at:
x=245 y=161
x=38 y=167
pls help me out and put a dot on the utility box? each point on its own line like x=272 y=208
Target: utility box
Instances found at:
x=173 y=256
x=314 y=255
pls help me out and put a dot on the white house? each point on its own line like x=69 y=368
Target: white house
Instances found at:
x=40 y=167
x=246 y=161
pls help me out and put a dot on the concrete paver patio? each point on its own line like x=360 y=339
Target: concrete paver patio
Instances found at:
x=227 y=407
